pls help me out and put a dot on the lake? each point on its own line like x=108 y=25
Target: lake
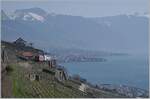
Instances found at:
x=132 y=70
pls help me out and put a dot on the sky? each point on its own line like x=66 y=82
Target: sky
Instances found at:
x=87 y=8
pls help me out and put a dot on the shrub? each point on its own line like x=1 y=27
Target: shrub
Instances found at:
x=9 y=68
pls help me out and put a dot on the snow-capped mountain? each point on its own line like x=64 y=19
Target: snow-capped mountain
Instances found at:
x=118 y=33
x=32 y=14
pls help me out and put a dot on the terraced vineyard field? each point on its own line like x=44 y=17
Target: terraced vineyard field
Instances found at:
x=23 y=87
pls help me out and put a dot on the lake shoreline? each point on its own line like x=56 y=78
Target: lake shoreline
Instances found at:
x=120 y=71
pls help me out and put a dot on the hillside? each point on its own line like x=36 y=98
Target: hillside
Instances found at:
x=30 y=79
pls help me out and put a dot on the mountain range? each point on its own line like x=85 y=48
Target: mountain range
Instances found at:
x=120 y=33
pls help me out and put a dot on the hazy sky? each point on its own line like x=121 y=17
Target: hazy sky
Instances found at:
x=88 y=8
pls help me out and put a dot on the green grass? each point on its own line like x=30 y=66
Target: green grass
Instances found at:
x=17 y=88
x=18 y=84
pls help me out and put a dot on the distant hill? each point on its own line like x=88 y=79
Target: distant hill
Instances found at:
x=120 y=33
x=128 y=32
